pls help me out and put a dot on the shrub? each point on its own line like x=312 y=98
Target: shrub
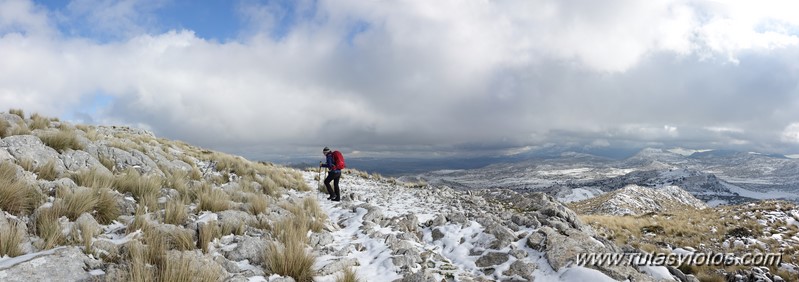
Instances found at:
x=180 y=269
x=10 y=239
x=16 y=196
x=62 y=140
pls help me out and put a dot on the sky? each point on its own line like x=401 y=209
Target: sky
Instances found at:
x=275 y=79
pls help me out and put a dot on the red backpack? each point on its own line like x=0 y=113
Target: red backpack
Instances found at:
x=338 y=160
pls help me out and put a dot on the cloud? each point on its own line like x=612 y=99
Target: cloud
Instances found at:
x=417 y=75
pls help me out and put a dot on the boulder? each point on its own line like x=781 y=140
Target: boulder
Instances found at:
x=29 y=147
x=492 y=259
x=246 y=248
x=62 y=264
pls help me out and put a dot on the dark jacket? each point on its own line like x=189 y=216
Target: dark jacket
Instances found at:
x=331 y=163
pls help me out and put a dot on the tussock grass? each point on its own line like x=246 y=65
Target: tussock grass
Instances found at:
x=39 y=122
x=704 y=230
x=74 y=203
x=181 y=269
x=4 y=128
x=27 y=164
x=175 y=212
x=108 y=163
x=87 y=232
x=290 y=257
x=308 y=213
x=93 y=179
x=348 y=275
x=138 y=269
x=106 y=207
x=19 y=112
x=234 y=228
x=10 y=239
x=47 y=171
x=145 y=189
x=207 y=232
x=257 y=204
x=178 y=239
x=62 y=140
x=48 y=227
x=214 y=200
x=179 y=180
x=21 y=129
x=140 y=221
x=16 y=196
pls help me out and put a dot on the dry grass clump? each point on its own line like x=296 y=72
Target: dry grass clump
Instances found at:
x=177 y=239
x=140 y=220
x=308 y=213
x=93 y=178
x=27 y=164
x=10 y=239
x=179 y=180
x=183 y=269
x=16 y=196
x=208 y=231
x=61 y=140
x=290 y=257
x=145 y=189
x=74 y=203
x=4 y=127
x=106 y=209
x=21 y=129
x=39 y=122
x=48 y=228
x=349 y=275
x=87 y=232
x=257 y=204
x=214 y=200
x=47 y=171
x=175 y=212
x=19 y=112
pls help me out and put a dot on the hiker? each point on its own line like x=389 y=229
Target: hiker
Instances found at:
x=335 y=162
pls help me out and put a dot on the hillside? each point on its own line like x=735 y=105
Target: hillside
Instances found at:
x=636 y=200
x=106 y=203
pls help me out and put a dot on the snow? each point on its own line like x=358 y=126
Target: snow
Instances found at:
x=579 y=194
x=774 y=194
x=658 y=272
x=374 y=257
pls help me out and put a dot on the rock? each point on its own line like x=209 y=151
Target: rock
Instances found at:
x=86 y=222
x=62 y=263
x=373 y=213
x=29 y=147
x=521 y=270
x=319 y=240
x=246 y=248
x=234 y=218
x=458 y=218
x=492 y=259
x=537 y=240
x=416 y=277
x=80 y=160
x=437 y=234
x=5 y=156
x=526 y=219
x=336 y=266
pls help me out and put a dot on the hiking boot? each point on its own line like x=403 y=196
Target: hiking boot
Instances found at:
x=336 y=199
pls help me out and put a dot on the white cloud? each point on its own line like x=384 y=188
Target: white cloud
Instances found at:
x=791 y=133
x=419 y=73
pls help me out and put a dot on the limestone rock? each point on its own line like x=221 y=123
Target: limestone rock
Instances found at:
x=63 y=264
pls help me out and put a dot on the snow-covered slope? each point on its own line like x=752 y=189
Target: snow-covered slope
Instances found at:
x=392 y=232
x=636 y=200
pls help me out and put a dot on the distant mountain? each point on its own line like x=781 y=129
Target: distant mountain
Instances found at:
x=715 y=176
